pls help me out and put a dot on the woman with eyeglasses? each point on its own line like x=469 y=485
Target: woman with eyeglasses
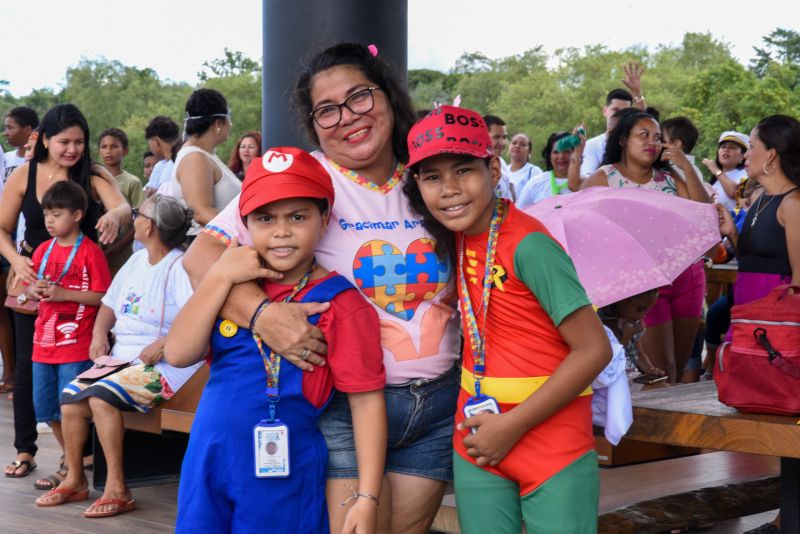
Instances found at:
x=139 y=307
x=200 y=180
x=355 y=109
x=636 y=157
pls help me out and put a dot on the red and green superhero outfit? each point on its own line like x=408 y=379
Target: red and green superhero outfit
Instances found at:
x=534 y=288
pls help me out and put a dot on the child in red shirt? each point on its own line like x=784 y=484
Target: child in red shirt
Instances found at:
x=256 y=460
x=72 y=277
x=533 y=344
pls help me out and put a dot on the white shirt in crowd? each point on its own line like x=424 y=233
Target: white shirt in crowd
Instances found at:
x=162 y=172
x=522 y=176
x=136 y=296
x=540 y=188
x=593 y=154
x=503 y=188
x=737 y=175
x=611 y=399
x=11 y=161
x=224 y=190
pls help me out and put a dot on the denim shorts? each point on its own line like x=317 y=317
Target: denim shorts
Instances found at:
x=48 y=381
x=420 y=415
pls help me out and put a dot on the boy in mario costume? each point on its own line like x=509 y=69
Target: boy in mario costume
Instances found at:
x=524 y=449
x=256 y=461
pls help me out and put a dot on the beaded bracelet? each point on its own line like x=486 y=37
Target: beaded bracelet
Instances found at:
x=261 y=307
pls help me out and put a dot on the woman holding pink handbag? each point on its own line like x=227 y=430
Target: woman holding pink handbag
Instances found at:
x=138 y=309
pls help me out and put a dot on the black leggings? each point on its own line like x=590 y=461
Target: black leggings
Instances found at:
x=24 y=416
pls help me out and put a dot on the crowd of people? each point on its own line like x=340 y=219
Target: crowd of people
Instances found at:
x=342 y=300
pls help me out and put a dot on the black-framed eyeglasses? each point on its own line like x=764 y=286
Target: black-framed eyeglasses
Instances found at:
x=135 y=212
x=330 y=115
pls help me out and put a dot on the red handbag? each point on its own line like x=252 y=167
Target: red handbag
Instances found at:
x=759 y=370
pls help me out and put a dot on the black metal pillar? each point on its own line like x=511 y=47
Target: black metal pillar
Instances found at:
x=295 y=29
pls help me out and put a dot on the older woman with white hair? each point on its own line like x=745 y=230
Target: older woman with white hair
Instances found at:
x=138 y=309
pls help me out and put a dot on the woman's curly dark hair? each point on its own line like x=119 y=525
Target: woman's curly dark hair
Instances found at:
x=618 y=138
x=377 y=70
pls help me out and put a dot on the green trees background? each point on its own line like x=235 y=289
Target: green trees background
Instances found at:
x=534 y=92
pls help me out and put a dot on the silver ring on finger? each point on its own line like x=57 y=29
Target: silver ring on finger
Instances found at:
x=305 y=354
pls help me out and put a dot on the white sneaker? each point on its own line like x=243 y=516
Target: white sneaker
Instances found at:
x=43 y=428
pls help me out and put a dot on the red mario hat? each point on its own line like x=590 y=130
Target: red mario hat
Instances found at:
x=449 y=130
x=281 y=173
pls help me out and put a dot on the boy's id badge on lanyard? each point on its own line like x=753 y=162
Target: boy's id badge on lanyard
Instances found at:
x=271 y=436
x=271 y=445
x=480 y=404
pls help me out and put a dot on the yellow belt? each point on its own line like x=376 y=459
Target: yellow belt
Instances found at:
x=507 y=390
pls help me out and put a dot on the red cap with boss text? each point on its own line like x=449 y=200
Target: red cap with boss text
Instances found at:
x=449 y=130
x=281 y=173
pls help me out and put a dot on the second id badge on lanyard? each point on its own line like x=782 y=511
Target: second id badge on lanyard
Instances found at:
x=480 y=404
x=271 y=446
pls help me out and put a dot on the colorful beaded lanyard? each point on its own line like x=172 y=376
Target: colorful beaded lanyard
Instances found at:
x=272 y=361
x=353 y=176
x=476 y=341
x=554 y=187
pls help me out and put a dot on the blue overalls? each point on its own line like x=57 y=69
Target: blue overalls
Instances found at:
x=219 y=491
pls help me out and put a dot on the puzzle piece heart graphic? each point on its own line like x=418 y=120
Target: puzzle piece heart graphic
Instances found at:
x=398 y=282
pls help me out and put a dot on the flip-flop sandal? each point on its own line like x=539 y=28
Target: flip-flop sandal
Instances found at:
x=29 y=466
x=6 y=388
x=123 y=505
x=64 y=495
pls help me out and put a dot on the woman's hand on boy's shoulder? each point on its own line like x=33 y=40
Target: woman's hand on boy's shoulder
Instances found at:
x=497 y=434
x=240 y=264
x=285 y=328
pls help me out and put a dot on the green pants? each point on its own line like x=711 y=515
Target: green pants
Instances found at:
x=565 y=504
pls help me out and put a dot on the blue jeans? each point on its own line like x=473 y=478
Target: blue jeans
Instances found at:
x=420 y=415
x=48 y=381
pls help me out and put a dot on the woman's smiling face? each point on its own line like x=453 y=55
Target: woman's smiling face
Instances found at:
x=359 y=140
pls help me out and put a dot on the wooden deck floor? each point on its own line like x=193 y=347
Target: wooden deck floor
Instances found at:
x=157 y=504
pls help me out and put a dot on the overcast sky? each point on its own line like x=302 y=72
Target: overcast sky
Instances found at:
x=41 y=39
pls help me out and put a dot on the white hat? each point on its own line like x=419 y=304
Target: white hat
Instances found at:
x=735 y=137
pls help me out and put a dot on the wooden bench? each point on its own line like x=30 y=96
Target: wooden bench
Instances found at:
x=691 y=416
x=722 y=273
x=156 y=441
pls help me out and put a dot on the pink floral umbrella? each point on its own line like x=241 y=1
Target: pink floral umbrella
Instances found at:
x=627 y=241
